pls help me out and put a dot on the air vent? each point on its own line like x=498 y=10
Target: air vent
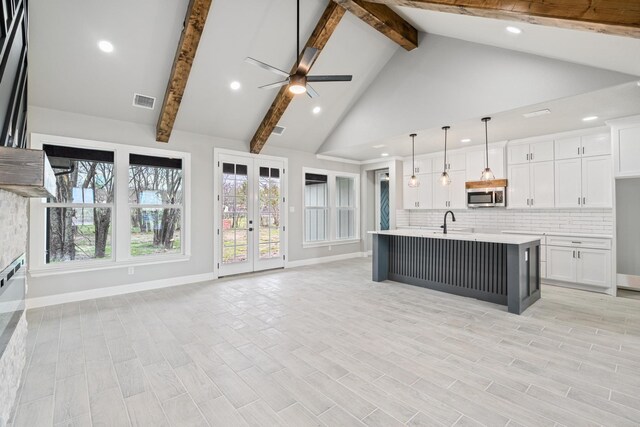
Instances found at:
x=537 y=113
x=143 y=101
x=278 y=130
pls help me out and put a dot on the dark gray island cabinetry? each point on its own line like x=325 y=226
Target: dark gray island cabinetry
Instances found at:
x=503 y=269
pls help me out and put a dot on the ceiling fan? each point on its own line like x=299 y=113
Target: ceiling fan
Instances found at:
x=299 y=80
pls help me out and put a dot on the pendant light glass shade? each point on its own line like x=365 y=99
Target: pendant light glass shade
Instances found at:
x=487 y=173
x=413 y=181
x=444 y=178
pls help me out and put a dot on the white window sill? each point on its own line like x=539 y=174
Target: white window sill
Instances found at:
x=307 y=245
x=81 y=267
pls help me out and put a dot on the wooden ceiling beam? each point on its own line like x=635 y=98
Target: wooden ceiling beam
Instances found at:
x=617 y=17
x=194 y=21
x=385 y=20
x=324 y=29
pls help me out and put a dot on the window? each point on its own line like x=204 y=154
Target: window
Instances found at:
x=346 y=208
x=115 y=204
x=155 y=200
x=316 y=207
x=79 y=220
x=331 y=206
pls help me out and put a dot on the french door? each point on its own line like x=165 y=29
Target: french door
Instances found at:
x=250 y=208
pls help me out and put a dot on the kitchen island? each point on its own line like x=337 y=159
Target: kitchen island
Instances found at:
x=503 y=269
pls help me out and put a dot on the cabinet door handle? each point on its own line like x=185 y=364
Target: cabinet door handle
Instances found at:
x=582 y=150
x=578 y=200
x=532 y=202
x=584 y=201
x=578 y=254
x=576 y=243
x=578 y=151
x=531 y=156
x=527 y=202
x=574 y=254
x=527 y=156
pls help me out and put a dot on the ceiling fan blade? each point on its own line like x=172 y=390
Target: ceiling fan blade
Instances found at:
x=312 y=92
x=309 y=56
x=267 y=67
x=274 y=85
x=335 y=78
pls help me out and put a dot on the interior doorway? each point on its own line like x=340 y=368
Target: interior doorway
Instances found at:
x=250 y=206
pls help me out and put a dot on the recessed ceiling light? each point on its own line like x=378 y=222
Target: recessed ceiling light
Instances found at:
x=589 y=118
x=316 y=110
x=514 y=30
x=235 y=85
x=105 y=46
x=465 y=140
x=378 y=146
x=384 y=154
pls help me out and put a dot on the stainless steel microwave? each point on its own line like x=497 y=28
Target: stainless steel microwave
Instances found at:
x=493 y=197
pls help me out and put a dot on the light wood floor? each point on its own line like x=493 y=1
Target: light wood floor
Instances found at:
x=323 y=345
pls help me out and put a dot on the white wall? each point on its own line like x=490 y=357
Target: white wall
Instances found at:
x=54 y=122
x=448 y=80
x=586 y=221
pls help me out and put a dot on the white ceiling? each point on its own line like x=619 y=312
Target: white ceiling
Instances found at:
x=68 y=72
x=566 y=115
x=582 y=47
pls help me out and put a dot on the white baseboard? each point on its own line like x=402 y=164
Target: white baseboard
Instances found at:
x=116 y=290
x=322 y=260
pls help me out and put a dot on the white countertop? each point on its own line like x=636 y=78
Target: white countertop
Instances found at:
x=559 y=233
x=510 y=239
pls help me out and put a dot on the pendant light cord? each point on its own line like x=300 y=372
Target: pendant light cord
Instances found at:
x=413 y=154
x=486 y=141
x=446 y=128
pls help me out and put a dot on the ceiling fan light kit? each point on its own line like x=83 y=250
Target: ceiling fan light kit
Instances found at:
x=298 y=80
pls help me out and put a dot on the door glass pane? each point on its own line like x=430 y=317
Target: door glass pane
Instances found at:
x=269 y=212
x=234 y=216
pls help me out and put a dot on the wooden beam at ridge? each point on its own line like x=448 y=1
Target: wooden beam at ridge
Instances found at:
x=318 y=39
x=617 y=17
x=385 y=20
x=194 y=22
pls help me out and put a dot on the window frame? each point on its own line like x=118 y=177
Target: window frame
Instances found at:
x=120 y=213
x=332 y=223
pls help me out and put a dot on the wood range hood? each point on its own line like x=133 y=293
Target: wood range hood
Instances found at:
x=26 y=172
x=494 y=183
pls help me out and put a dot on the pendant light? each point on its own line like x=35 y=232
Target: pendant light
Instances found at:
x=444 y=178
x=413 y=181
x=487 y=174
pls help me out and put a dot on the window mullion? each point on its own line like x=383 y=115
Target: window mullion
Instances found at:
x=121 y=236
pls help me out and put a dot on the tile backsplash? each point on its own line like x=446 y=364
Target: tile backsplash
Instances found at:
x=588 y=221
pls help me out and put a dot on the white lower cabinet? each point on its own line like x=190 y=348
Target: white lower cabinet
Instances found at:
x=578 y=265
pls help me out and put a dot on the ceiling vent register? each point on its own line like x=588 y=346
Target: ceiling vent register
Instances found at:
x=143 y=101
x=278 y=130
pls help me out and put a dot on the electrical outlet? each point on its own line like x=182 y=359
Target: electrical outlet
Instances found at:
x=131 y=270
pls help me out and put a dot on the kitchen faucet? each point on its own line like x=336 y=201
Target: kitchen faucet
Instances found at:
x=453 y=218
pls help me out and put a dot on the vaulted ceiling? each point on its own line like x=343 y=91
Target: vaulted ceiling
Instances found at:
x=68 y=72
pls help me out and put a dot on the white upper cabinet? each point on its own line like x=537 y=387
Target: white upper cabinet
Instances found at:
x=418 y=197
x=583 y=146
x=440 y=194
x=457 y=190
x=596 y=145
x=585 y=182
x=568 y=148
x=568 y=183
x=518 y=189
x=455 y=161
x=540 y=151
x=422 y=165
x=541 y=185
x=625 y=134
x=410 y=196
x=597 y=181
x=476 y=160
x=531 y=185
